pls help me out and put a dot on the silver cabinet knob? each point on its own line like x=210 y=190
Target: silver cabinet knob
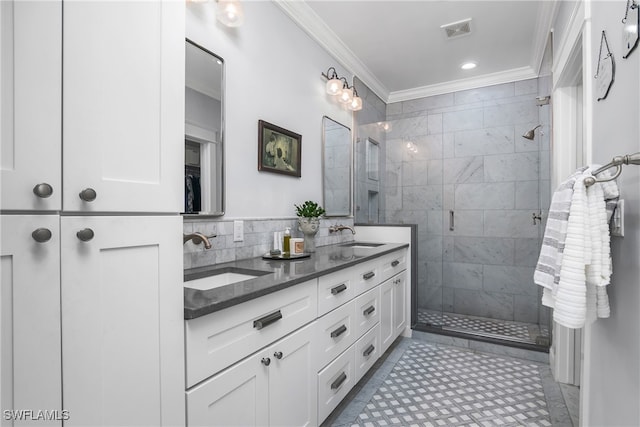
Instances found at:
x=88 y=194
x=277 y=355
x=266 y=361
x=85 y=235
x=43 y=190
x=41 y=235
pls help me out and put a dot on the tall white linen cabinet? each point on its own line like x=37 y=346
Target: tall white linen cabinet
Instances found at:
x=92 y=128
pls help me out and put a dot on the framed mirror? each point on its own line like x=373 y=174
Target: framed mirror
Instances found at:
x=204 y=136
x=336 y=168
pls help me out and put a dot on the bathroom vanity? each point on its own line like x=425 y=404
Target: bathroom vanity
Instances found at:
x=283 y=342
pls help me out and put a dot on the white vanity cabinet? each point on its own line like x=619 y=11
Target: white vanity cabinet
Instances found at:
x=29 y=316
x=320 y=338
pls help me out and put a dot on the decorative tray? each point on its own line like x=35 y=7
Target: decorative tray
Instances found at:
x=286 y=256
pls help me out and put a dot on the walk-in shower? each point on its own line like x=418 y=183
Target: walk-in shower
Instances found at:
x=476 y=183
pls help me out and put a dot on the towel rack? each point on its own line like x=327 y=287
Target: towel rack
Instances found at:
x=618 y=161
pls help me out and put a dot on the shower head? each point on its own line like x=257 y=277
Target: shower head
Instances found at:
x=531 y=134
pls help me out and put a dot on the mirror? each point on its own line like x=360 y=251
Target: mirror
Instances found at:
x=204 y=137
x=336 y=168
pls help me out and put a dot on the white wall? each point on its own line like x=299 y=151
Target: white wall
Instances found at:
x=272 y=72
x=611 y=376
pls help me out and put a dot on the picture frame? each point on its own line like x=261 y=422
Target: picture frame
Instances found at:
x=279 y=150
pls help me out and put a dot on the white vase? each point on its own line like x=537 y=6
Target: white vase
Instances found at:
x=309 y=227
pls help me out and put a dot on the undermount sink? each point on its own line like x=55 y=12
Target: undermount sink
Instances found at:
x=222 y=277
x=362 y=245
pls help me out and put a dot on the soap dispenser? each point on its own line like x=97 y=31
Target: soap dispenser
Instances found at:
x=285 y=240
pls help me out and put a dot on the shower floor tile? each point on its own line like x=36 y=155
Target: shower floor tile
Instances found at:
x=518 y=331
x=437 y=385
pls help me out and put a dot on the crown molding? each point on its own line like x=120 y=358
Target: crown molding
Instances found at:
x=508 y=76
x=312 y=24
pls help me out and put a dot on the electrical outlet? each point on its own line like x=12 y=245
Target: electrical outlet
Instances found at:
x=238 y=231
x=617 y=222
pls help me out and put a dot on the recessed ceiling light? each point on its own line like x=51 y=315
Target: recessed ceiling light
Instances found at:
x=469 y=65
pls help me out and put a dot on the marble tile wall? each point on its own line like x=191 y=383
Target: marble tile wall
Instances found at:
x=472 y=159
x=258 y=238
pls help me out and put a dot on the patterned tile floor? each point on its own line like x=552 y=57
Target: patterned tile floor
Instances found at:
x=431 y=385
x=515 y=331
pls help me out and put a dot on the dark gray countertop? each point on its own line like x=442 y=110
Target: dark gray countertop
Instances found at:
x=280 y=275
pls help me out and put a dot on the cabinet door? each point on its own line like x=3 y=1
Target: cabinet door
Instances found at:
x=386 y=315
x=399 y=303
x=122 y=323
x=123 y=105
x=30 y=315
x=237 y=396
x=30 y=103
x=293 y=386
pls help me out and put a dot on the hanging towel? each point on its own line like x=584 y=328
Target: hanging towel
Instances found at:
x=547 y=272
x=582 y=267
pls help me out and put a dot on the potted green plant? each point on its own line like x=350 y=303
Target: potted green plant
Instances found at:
x=309 y=214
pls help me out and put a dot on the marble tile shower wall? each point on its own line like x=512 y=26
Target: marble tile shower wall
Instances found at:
x=258 y=238
x=471 y=159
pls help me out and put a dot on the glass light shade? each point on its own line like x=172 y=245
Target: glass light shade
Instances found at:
x=346 y=95
x=355 y=104
x=230 y=13
x=334 y=86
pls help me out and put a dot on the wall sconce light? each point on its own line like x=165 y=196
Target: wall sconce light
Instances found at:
x=339 y=87
x=230 y=13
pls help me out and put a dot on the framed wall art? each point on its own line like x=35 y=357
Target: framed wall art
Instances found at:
x=279 y=150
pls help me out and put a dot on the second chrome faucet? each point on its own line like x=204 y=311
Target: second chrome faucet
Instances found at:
x=198 y=238
x=339 y=227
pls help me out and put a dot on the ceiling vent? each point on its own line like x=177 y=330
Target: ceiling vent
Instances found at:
x=457 y=29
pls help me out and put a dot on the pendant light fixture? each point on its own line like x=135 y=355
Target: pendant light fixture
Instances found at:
x=337 y=86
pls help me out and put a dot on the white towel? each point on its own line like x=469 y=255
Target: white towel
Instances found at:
x=585 y=262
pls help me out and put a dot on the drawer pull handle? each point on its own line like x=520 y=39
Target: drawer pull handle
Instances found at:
x=395 y=263
x=368 y=351
x=85 y=234
x=267 y=320
x=341 y=330
x=369 y=275
x=278 y=355
x=88 y=195
x=338 y=289
x=41 y=235
x=369 y=310
x=338 y=382
x=266 y=361
x=43 y=190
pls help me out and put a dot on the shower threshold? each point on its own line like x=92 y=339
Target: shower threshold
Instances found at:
x=493 y=330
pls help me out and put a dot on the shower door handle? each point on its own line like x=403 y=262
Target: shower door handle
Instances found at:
x=451 y=221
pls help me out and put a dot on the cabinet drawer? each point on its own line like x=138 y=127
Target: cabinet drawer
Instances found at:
x=219 y=339
x=367 y=351
x=334 y=290
x=393 y=264
x=334 y=382
x=336 y=332
x=366 y=276
x=367 y=311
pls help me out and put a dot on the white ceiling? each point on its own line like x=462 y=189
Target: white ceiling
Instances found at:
x=399 y=50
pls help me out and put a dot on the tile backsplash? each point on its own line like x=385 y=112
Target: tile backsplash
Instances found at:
x=258 y=238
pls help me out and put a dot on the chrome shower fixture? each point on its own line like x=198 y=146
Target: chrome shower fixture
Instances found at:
x=531 y=134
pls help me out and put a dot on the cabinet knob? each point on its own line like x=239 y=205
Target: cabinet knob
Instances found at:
x=88 y=194
x=277 y=355
x=85 y=235
x=43 y=190
x=41 y=235
x=266 y=361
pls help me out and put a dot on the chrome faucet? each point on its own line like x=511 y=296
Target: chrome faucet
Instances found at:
x=198 y=238
x=339 y=227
